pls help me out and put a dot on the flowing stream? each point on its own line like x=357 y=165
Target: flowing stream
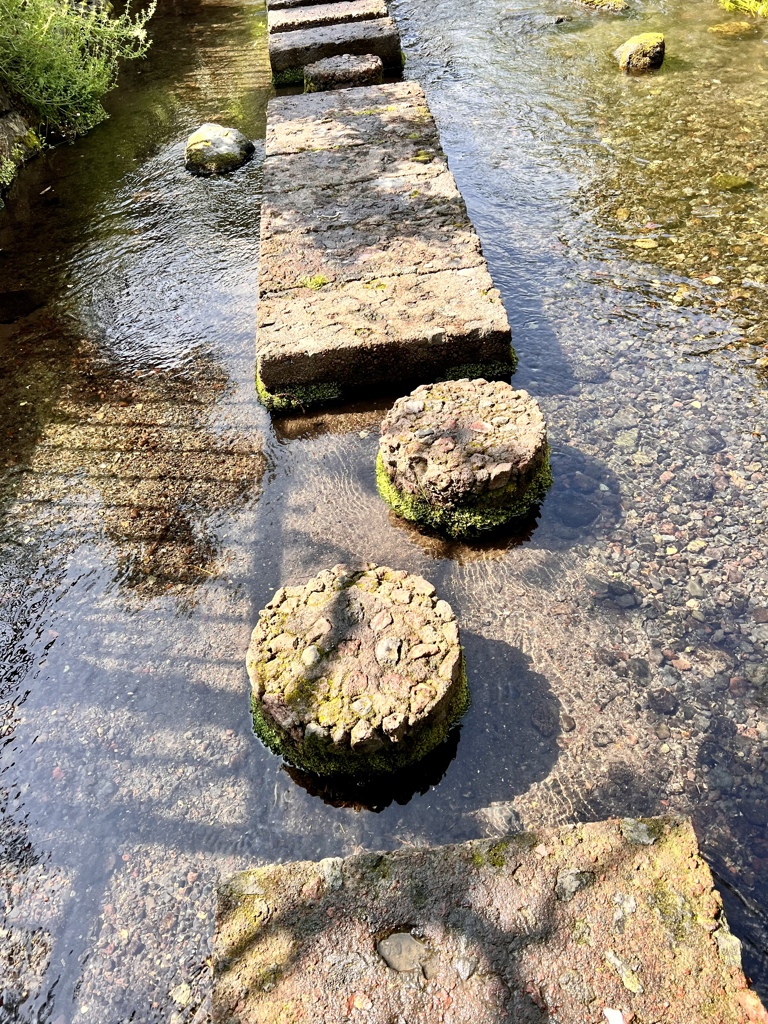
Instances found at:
x=616 y=645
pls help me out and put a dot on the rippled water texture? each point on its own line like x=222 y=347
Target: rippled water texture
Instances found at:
x=615 y=646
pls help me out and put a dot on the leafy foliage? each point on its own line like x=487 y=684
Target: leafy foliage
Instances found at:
x=756 y=7
x=60 y=57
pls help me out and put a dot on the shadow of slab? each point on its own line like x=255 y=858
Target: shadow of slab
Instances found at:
x=560 y=924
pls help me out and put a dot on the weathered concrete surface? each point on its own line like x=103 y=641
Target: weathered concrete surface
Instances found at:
x=290 y=52
x=562 y=925
x=341 y=12
x=369 y=268
x=344 y=72
x=358 y=671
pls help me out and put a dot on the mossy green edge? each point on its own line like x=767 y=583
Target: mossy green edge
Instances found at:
x=320 y=758
x=298 y=397
x=291 y=76
x=493 y=510
x=301 y=397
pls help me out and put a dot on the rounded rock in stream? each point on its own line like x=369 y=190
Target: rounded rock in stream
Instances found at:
x=641 y=53
x=360 y=671
x=214 y=149
x=464 y=456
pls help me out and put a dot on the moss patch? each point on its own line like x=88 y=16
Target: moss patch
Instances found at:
x=290 y=76
x=322 y=759
x=484 y=371
x=493 y=510
x=297 y=397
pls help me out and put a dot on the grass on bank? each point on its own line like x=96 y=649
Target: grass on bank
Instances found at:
x=756 y=7
x=58 y=59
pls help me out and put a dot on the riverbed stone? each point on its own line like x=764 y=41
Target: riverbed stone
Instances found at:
x=463 y=456
x=342 y=12
x=644 y=52
x=343 y=72
x=734 y=29
x=290 y=52
x=214 y=149
x=370 y=271
x=483 y=931
x=355 y=672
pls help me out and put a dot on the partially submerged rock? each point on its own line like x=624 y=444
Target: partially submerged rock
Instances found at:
x=214 y=149
x=358 y=671
x=641 y=53
x=463 y=456
x=734 y=29
x=725 y=182
x=577 y=925
x=343 y=72
x=609 y=6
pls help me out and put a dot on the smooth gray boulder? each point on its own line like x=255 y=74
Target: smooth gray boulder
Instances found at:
x=214 y=149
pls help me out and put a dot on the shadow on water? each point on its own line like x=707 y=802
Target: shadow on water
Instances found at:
x=513 y=712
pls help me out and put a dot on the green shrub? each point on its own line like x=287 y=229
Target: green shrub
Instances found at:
x=756 y=7
x=60 y=58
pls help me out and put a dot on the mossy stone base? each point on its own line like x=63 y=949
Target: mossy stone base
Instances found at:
x=494 y=509
x=302 y=397
x=321 y=759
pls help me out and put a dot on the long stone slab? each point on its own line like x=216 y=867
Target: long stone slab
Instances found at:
x=321 y=15
x=370 y=271
x=290 y=52
x=283 y=5
x=615 y=921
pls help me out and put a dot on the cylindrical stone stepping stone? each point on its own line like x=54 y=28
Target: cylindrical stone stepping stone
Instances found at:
x=358 y=672
x=343 y=72
x=463 y=456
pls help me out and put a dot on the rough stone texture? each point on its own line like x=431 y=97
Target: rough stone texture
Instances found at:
x=358 y=671
x=342 y=12
x=369 y=268
x=214 y=149
x=463 y=454
x=343 y=72
x=18 y=142
x=734 y=29
x=577 y=925
x=641 y=53
x=290 y=52
x=283 y=5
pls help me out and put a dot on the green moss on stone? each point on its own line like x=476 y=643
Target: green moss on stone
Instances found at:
x=724 y=182
x=290 y=76
x=493 y=510
x=322 y=758
x=297 y=397
x=315 y=283
x=482 y=371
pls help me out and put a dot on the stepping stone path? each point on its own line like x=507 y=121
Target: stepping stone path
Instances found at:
x=370 y=271
x=614 y=921
x=358 y=671
x=463 y=456
x=342 y=72
x=304 y=33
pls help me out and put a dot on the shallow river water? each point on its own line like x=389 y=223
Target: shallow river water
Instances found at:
x=616 y=645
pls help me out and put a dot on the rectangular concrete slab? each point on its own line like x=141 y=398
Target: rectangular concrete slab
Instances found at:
x=346 y=233
x=319 y=15
x=289 y=52
x=327 y=121
x=366 y=333
x=282 y=5
x=616 y=921
x=370 y=271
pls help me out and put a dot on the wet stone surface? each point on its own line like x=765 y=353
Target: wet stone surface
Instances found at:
x=314 y=16
x=291 y=51
x=343 y=72
x=566 y=924
x=358 y=671
x=453 y=442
